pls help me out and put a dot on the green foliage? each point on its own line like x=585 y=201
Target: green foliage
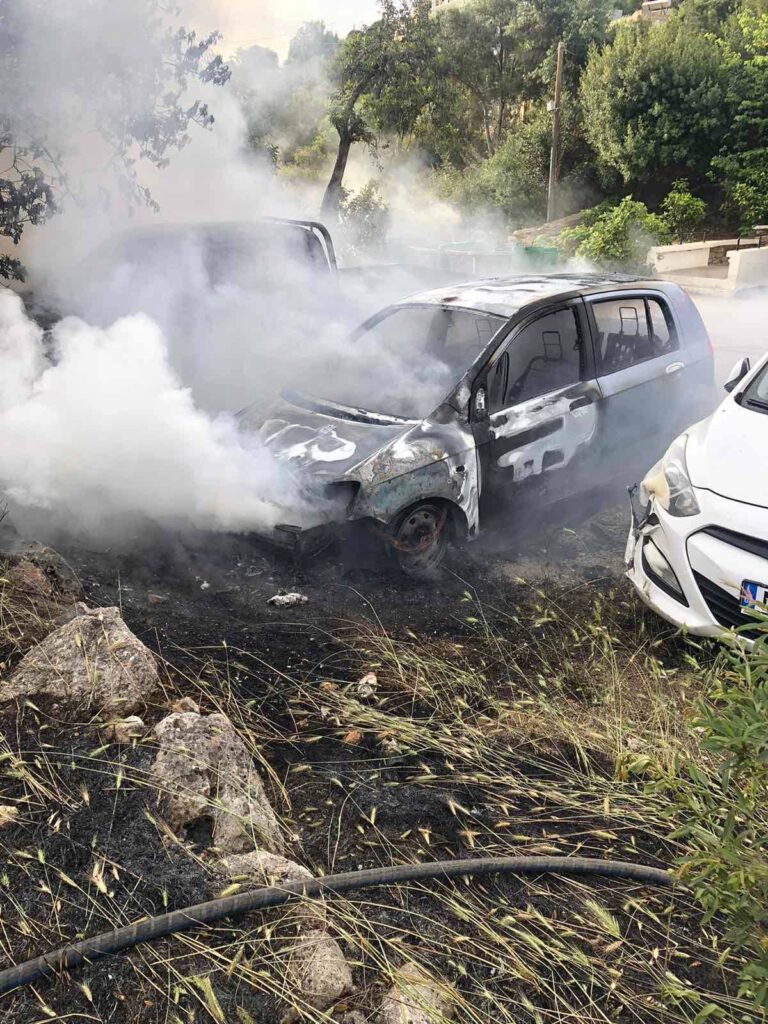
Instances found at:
x=286 y=106
x=617 y=237
x=499 y=56
x=750 y=197
x=682 y=211
x=742 y=165
x=724 y=809
x=364 y=218
x=382 y=79
x=491 y=52
x=514 y=180
x=657 y=103
x=313 y=42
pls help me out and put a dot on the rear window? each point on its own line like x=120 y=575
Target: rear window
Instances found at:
x=631 y=330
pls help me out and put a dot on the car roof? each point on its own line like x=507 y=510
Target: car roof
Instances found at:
x=505 y=296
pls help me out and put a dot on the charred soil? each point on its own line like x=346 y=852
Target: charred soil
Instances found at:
x=518 y=704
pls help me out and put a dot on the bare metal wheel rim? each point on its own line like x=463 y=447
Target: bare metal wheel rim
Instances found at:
x=421 y=538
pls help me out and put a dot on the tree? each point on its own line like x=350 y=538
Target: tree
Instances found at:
x=515 y=178
x=657 y=104
x=491 y=49
x=111 y=73
x=313 y=42
x=581 y=25
x=742 y=164
x=381 y=76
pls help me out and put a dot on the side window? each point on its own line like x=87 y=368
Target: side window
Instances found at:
x=497 y=383
x=663 y=333
x=544 y=356
x=631 y=330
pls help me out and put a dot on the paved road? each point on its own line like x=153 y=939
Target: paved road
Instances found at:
x=738 y=328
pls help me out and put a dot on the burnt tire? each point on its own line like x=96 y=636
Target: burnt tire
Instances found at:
x=419 y=539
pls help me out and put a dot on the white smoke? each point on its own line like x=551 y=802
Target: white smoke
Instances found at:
x=106 y=434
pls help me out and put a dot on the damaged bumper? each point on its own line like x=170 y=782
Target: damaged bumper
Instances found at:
x=686 y=570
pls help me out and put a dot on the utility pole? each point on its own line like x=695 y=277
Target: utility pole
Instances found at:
x=554 y=163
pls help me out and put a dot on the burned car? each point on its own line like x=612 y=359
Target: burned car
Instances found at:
x=478 y=394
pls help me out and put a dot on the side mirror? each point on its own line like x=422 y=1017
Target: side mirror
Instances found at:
x=481 y=404
x=737 y=374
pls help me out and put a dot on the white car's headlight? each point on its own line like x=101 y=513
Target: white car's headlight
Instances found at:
x=668 y=482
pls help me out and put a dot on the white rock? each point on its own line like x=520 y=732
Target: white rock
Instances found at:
x=367 y=686
x=287 y=600
x=268 y=869
x=317 y=972
x=203 y=770
x=124 y=730
x=416 y=998
x=93 y=659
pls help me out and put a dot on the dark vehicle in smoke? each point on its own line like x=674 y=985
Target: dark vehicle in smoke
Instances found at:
x=484 y=392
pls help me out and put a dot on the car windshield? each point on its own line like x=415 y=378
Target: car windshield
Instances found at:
x=405 y=362
x=756 y=395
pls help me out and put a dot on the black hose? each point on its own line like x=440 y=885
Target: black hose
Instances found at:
x=259 y=899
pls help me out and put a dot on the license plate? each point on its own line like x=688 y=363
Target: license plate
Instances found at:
x=754 y=597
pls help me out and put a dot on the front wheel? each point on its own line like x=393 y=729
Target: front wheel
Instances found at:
x=420 y=539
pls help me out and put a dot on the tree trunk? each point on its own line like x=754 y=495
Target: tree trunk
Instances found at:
x=333 y=192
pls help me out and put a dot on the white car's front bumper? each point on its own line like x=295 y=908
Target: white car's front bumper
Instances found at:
x=711 y=554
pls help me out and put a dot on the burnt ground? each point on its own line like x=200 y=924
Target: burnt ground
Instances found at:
x=201 y=603
x=198 y=591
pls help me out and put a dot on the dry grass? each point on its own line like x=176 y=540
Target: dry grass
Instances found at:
x=534 y=734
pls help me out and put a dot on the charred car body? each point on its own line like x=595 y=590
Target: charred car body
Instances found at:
x=482 y=392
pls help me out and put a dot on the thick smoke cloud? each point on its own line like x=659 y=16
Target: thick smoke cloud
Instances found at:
x=125 y=410
x=105 y=434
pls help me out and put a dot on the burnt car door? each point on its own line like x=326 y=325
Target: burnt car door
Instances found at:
x=542 y=399
x=641 y=371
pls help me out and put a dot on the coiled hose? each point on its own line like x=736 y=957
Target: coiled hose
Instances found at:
x=259 y=899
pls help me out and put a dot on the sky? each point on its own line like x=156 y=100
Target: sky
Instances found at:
x=272 y=23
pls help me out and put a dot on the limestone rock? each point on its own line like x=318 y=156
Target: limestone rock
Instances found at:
x=203 y=772
x=93 y=659
x=318 y=972
x=124 y=730
x=36 y=600
x=186 y=704
x=267 y=869
x=416 y=998
x=60 y=574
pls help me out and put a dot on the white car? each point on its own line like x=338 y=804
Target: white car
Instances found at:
x=698 y=548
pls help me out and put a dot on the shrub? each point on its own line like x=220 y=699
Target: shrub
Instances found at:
x=750 y=198
x=617 y=237
x=725 y=809
x=682 y=211
x=364 y=218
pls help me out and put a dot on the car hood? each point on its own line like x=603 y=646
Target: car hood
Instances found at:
x=326 y=440
x=728 y=454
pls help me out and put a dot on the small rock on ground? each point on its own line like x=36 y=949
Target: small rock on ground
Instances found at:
x=60 y=574
x=93 y=659
x=268 y=869
x=287 y=600
x=124 y=730
x=204 y=772
x=416 y=997
x=317 y=972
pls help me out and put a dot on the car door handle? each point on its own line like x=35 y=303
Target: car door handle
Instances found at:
x=580 y=403
x=674 y=368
